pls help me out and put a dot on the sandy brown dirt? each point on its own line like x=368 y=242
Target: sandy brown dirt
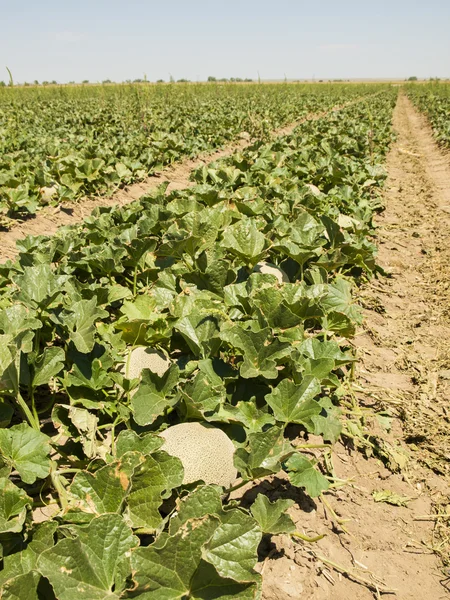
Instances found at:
x=404 y=348
x=406 y=342
x=49 y=219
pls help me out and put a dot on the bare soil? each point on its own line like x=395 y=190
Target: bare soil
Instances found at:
x=50 y=218
x=404 y=347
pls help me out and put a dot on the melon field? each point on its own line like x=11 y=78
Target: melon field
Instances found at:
x=64 y=143
x=224 y=356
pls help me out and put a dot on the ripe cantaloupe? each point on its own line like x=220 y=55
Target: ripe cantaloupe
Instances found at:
x=314 y=189
x=205 y=451
x=271 y=269
x=141 y=358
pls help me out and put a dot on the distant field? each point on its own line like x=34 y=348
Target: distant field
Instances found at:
x=65 y=142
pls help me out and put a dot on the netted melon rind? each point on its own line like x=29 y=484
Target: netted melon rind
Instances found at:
x=206 y=453
x=142 y=358
x=270 y=269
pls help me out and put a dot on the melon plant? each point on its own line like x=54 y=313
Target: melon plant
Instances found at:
x=224 y=365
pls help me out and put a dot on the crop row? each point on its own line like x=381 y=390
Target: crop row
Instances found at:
x=64 y=143
x=434 y=101
x=248 y=349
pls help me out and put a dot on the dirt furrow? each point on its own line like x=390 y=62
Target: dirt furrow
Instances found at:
x=49 y=219
x=404 y=348
x=406 y=344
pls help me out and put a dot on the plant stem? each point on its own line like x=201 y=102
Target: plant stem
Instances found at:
x=60 y=489
x=432 y=517
x=237 y=486
x=305 y=446
x=34 y=422
x=334 y=516
x=305 y=538
x=63 y=471
x=135 y=280
x=33 y=405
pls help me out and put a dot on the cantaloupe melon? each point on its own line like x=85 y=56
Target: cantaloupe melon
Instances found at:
x=205 y=451
x=271 y=269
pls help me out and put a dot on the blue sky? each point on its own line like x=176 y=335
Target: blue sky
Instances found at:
x=97 y=39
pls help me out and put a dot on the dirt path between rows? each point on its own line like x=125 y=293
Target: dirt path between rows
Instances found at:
x=407 y=339
x=404 y=348
x=49 y=219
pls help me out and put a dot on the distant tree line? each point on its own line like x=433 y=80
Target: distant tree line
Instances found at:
x=232 y=79
x=211 y=79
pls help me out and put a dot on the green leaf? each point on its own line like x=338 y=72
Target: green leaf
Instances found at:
x=9 y=359
x=321 y=370
x=89 y=169
x=142 y=309
x=260 y=352
x=207 y=584
x=48 y=365
x=129 y=441
x=204 y=500
x=21 y=587
x=6 y=413
x=39 y=538
x=95 y=564
x=338 y=323
x=204 y=393
x=80 y=322
x=142 y=322
x=154 y=395
x=100 y=492
x=328 y=423
x=295 y=251
x=212 y=273
x=27 y=451
x=293 y=403
x=200 y=330
x=18 y=318
x=265 y=452
x=123 y=171
x=339 y=299
x=271 y=516
x=317 y=349
x=151 y=482
x=13 y=507
x=244 y=240
x=90 y=370
x=172 y=568
x=270 y=302
x=118 y=292
x=38 y=286
x=301 y=473
x=245 y=412
x=164 y=572
x=233 y=546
